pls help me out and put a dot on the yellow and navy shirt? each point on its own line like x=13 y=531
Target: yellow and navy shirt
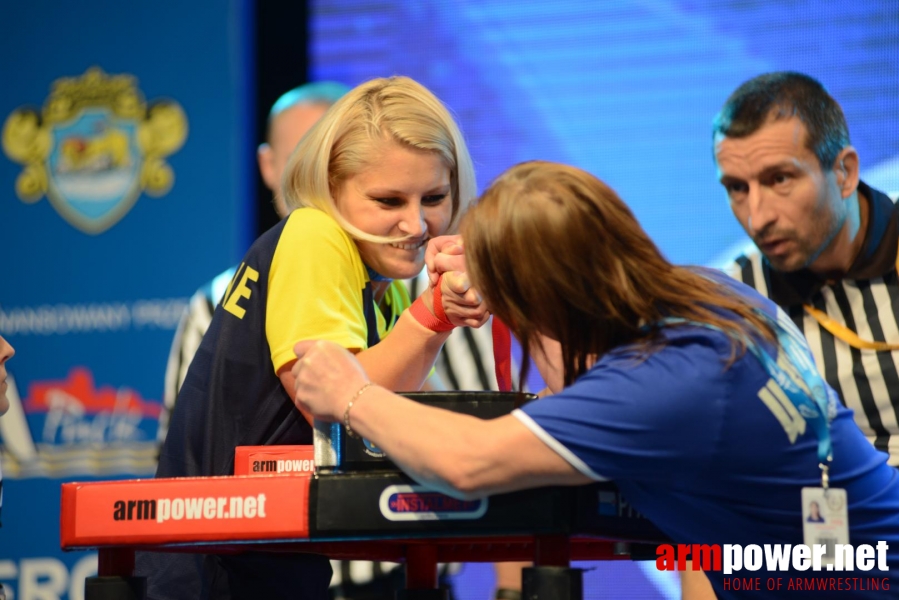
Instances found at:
x=303 y=279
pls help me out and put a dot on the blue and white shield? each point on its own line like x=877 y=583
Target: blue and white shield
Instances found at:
x=94 y=169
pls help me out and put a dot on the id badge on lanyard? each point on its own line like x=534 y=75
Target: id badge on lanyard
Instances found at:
x=825 y=514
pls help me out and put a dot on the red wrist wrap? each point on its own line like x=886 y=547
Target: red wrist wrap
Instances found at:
x=435 y=322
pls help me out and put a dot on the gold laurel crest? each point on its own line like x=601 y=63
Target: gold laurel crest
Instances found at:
x=162 y=132
x=94 y=132
x=26 y=142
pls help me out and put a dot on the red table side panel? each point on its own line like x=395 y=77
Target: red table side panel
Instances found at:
x=163 y=511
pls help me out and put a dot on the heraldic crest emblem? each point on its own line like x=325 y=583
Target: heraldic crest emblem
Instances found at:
x=94 y=147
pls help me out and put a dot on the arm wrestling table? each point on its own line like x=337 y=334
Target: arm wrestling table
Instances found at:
x=356 y=506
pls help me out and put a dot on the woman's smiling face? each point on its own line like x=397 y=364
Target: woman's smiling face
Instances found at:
x=406 y=192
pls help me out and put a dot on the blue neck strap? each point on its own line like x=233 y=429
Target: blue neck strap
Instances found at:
x=805 y=388
x=374 y=276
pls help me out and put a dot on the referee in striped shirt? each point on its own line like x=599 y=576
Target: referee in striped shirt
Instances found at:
x=825 y=243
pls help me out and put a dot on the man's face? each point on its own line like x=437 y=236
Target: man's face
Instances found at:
x=785 y=201
x=287 y=128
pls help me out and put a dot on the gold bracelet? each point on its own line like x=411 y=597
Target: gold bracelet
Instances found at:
x=346 y=413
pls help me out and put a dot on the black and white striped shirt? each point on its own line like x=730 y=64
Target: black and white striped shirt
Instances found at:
x=466 y=360
x=865 y=301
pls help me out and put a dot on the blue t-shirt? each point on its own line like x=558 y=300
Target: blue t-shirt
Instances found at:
x=704 y=452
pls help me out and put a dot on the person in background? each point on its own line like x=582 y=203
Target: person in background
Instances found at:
x=692 y=392
x=825 y=243
x=6 y=352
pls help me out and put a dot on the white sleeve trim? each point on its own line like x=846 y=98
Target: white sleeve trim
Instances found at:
x=557 y=446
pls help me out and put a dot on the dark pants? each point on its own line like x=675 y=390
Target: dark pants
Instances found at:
x=382 y=586
x=246 y=576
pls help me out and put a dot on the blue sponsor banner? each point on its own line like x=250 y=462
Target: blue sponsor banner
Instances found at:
x=126 y=173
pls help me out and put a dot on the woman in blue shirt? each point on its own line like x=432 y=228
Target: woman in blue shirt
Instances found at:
x=697 y=396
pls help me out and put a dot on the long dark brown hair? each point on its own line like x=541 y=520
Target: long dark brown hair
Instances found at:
x=554 y=251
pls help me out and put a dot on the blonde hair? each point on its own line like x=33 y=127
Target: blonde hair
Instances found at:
x=346 y=138
x=555 y=252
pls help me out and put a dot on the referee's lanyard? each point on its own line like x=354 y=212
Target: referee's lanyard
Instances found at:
x=844 y=333
x=813 y=404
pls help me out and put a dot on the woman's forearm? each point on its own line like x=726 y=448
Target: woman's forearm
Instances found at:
x=440 y=450
x=457 y=454
x=404 y=358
